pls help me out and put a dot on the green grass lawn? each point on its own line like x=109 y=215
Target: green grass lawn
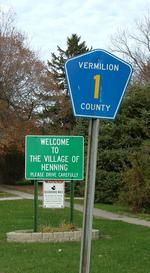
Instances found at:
x=6 y=194
x=128 y=250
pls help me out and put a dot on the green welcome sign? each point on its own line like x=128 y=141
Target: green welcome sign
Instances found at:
x=54 y=157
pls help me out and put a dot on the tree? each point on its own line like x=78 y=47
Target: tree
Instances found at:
x=134 y=46
x=24 y=79
x=13 y=130
x=61 y=111
x=56 y=65
x=118 y=139
x=12 y=144
x=25 y=84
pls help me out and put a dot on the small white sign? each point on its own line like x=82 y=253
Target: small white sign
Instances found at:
x=53 y=194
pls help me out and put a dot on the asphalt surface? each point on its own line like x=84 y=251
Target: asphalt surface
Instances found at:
x=96 y=212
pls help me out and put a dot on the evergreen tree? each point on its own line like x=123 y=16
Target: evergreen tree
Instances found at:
x=56 y=65
x=62 y=120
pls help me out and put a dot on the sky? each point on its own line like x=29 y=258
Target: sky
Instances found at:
x=50 y=22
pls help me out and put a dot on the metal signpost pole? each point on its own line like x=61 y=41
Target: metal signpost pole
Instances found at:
x=72 y=202
x=35 y=206
x=89 y=195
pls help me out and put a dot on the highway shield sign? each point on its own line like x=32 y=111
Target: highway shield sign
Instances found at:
x=97 y=81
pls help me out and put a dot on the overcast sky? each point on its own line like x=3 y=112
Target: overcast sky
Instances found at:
x=52 y=21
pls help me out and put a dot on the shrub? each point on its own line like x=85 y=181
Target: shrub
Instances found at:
x=107 y=187
x=12 y=167
x=136 y=182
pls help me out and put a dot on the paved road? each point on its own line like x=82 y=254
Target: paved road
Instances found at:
x=96 y=212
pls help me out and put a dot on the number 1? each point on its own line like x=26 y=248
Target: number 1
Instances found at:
x=97 y=81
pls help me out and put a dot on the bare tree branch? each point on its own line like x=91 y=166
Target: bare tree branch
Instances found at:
x=134 y=46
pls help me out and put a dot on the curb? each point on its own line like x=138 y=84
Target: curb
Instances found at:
x=28 y=236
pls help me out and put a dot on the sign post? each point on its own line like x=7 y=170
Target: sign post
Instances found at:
x=97 y=82
x=72 y=202
x=53 y=158
x=35 y=206
x=89 y=196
